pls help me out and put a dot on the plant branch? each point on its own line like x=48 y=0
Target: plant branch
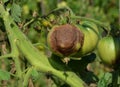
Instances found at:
x=27 y=76
x=26 y=24
x=106 y=26
x=6 y=56
x=12 y=38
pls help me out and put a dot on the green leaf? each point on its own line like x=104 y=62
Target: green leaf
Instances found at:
x=105 y=80
x=16 y=12
x=35 y=74
x=4 y=75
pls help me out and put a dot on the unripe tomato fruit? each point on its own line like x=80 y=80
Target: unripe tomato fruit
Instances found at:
x=109 y=50
x=91 y=37
x=32 y=35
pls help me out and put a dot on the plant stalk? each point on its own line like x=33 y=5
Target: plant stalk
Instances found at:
x=14 y=50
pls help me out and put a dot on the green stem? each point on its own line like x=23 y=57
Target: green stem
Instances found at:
x=18 y=71
x=93 y=20
x=13 y=75
x=12 y=38
x=6 y=56
x=26 y=24
x=18 y=67
x=25 y=70
x=66 y=8
x=27 y=76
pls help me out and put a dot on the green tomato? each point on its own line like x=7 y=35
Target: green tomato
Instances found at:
x=25 y=9
x=91 y=25
x=109 y=50
x=32 y=35
x=91 y=37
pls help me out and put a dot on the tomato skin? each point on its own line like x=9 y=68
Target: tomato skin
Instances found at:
x=109 y=50
x=91 y=37
x=91 y=25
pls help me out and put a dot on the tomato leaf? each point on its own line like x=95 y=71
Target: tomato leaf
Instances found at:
x=16 y=12
x=35 y=74
x=4 y=75
x=105 y=80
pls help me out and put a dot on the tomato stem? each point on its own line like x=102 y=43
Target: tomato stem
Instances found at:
x=26 y=24
x=106 y=26
x=6 y=56
x=65 y=8
x=27 y=76
x=14 y=50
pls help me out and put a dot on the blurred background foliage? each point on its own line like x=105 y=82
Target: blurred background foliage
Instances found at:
x=103 y=10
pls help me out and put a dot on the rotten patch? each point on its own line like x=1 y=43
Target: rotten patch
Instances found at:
x=65 y=39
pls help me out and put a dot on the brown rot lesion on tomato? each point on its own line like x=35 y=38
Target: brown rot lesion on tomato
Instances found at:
x=65 y=40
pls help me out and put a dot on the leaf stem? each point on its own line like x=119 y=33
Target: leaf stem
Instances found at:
x=106 y=26
x=26 y=24
x=6 y=56
x=12 y=38
x=27 y=76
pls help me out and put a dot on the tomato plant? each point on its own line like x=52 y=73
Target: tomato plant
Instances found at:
x=46 y=45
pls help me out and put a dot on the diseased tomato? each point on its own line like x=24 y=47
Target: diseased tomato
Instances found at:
x=109 y=50
x=74 y=40
x=65 y=40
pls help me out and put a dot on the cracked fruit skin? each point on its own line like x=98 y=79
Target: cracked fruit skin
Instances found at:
x=109 y=50
x=91 y=37
x=65 y=40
